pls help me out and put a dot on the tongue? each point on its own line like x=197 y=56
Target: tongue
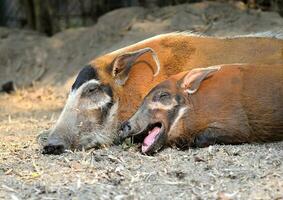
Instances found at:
x=149 y=140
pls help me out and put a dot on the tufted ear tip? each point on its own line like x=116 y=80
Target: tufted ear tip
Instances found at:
x=123 y=63
x=193 y=79
x=189 y=91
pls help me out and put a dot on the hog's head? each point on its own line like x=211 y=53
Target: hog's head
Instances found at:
x=160 y=118
x=89 y=118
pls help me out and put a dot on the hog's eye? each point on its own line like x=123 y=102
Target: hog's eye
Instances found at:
x=91 y=90
x=162 y=96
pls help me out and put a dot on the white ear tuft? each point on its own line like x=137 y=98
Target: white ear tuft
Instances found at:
x=189 y=91
x=193 y=79
x=123 y=63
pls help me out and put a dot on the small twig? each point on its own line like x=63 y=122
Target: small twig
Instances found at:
x=9 y=119
x=113 y=158
x=7 y=188
x=36 y=167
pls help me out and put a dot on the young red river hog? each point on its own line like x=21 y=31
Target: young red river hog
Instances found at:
x=225 y=104
x=112 y=86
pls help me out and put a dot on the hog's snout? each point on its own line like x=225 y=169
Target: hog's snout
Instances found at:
x=55 y=147
x=125 y=128
x=123 y=132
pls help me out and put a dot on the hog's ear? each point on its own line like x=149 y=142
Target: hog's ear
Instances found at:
x=192 y=80
x=123 y=63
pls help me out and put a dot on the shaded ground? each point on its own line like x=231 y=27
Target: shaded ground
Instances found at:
x=253 y=171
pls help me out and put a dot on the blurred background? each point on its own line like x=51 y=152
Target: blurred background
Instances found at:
x=47 y=42
x=52 y=16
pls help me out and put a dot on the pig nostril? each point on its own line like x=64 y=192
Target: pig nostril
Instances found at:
x=123 y=132
x=126 y=127
x=53 y=149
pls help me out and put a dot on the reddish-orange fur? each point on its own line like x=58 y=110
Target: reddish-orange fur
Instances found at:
x=125 y=76
x=180 y=52
x=239 y=103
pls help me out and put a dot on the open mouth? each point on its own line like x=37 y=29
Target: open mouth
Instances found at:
x=153 y=141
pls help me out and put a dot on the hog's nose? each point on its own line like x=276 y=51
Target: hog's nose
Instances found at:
x=123 y=133
x=125 y=127
x=55 y=147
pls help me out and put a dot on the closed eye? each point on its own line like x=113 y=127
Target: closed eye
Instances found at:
x=89 y=91
x=162 y=96
x=93 y=89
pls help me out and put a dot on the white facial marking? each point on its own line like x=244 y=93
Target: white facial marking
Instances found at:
x=158 y=105
x=97 y=105
x=181 y=112
x=92 y=81
x=68 y=116
x=70 y=104
x=91 y=105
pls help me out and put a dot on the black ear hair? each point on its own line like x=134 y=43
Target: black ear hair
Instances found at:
x=86 y=74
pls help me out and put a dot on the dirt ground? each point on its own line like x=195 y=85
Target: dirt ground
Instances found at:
x=250 y=171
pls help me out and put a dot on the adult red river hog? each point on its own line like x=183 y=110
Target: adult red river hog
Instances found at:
x=112 y=86
x=225 y=104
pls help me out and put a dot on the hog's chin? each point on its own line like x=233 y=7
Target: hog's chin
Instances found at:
x=154 y=139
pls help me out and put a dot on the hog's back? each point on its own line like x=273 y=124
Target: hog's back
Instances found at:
x=262 y=100
x=242 y=102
